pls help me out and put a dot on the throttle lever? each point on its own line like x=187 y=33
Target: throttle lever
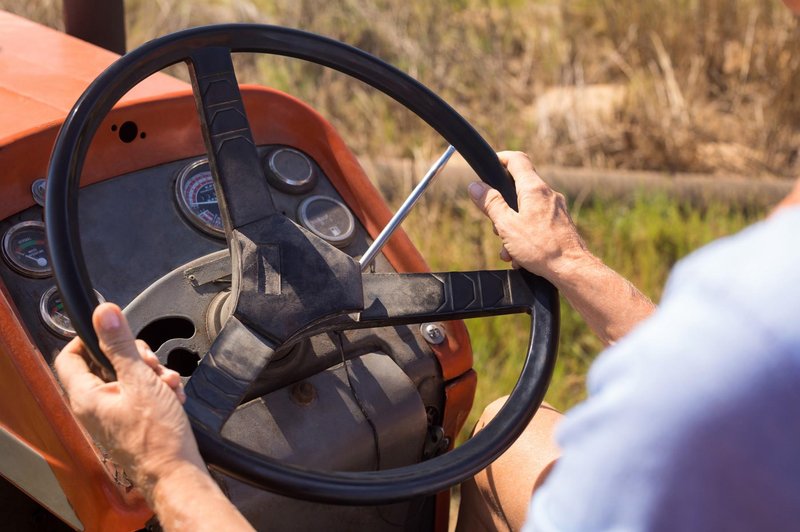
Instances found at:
x=405 y=208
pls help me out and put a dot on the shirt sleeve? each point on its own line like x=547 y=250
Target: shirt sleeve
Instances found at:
x=693 y=420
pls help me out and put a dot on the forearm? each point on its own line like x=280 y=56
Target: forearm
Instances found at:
x=189 y=499
x=608 y=302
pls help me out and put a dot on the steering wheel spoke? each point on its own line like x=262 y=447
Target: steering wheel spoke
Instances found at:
x=244 y=196
x=394 y=299
x=237 y=356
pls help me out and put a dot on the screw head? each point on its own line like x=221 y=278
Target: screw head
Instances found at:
x=433 y=333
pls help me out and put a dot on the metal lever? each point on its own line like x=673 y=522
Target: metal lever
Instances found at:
x=405 y=208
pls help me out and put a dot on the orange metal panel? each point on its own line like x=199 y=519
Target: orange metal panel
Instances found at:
x=44 y=71
x=32 y=407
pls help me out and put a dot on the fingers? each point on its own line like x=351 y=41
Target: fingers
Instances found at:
x=170 y=377
x=505 y=255
x=147 y=354
x=522 y=170
x=489 y=201
x=73 y=371
x=116 y=340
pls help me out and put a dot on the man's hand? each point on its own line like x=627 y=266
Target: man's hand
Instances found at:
x=140 y=421
x=541 y=237
x=138 y=418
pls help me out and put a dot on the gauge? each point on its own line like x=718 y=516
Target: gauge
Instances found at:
x=51 y=310
x=38 y=190
x=291 y=171
x=197 y=198
x=25 y=249
x=327 y=218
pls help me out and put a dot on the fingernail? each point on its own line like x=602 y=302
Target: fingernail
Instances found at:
x=476 y=189
x=109 y=320
x=149 y=352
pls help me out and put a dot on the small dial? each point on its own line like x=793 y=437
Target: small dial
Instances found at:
x=197 y=198
x=291 y=171
x=39 y=190
x=51 y=310
x=327 y=218
x=25 y=249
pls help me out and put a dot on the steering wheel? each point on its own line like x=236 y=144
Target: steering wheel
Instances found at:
x=272 y=306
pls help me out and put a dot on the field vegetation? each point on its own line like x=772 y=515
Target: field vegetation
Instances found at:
x=667 y=85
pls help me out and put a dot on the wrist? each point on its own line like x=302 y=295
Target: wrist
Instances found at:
x=568 y=265
x=171 y=477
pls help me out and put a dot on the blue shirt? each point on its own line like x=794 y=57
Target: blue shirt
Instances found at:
x=693 y=420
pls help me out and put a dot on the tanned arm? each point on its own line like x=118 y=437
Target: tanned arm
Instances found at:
x=542 y=239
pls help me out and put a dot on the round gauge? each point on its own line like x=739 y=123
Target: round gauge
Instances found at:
x=327 y=218
x=38 y=190
x=51 y=310
x=291 y=171
x=25 y=249
x=197 y=198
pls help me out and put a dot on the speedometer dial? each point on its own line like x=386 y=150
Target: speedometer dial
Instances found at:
x=197 y=198
x=25 y=249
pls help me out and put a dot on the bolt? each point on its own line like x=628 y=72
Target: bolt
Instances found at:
x=303 y=393
x=433 y=333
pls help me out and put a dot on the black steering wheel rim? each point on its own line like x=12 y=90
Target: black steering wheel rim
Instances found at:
x=79 y=298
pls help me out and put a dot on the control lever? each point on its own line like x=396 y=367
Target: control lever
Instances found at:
x=405 y=208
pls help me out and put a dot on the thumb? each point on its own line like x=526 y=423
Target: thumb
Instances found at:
x=116 y=340
x=488 y=200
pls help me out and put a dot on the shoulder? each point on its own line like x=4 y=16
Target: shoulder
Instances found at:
x=695 y=410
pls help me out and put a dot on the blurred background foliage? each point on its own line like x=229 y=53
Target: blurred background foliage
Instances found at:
x=668 y=85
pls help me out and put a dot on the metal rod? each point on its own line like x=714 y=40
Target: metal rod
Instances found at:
x=405 y=208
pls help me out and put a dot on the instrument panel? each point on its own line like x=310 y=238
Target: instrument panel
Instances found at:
x=138 y=227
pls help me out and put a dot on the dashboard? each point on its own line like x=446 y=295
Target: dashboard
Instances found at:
x=138 y=228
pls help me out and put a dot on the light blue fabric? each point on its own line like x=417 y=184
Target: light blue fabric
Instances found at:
x=693 y=420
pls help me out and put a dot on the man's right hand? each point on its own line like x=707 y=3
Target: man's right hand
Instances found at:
x=541 y=237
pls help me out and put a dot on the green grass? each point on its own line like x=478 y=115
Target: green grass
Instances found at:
x=642 y=239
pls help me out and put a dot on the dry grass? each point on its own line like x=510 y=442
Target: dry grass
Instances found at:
x=681 y=85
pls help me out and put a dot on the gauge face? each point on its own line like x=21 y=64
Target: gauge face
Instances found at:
x=51 y=310
x=25 y=249
x=327 y=218
x=197 y=198
x=291 y=171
